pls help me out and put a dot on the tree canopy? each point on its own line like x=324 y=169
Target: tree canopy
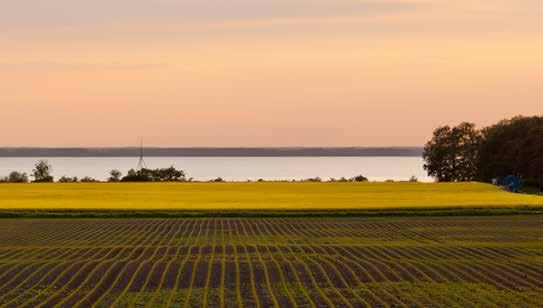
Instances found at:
x=510 y=147
x=514 y=147
x=155 y=175
x=115 y=175
x=451 y=154
x=42 y=171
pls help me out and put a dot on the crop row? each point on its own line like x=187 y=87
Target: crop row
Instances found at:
x=263 y=262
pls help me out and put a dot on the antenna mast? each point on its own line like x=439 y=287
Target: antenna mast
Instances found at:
x=141 y=163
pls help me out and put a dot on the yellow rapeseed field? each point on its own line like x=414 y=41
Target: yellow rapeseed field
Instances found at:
x=260 y=196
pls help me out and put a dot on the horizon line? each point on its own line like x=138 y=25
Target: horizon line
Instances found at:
x=212 y=147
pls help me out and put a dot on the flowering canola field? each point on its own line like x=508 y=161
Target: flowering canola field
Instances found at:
x=260 y=196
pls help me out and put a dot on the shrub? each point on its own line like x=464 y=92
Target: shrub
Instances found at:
x=155 y=175
x=88 y=179
x=115 y=176
x=65 y=179
x=360 y=178
x=17 y=177
x=532 y=184
x=413 y=179
x=134 y=176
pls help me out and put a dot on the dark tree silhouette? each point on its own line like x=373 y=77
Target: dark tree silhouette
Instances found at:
x=115 y=175
x=42 y=171
x=452 y=153
x=18 y=177
x=514 y=147
x=155 y=175
x=360 y=178
x=66 y=179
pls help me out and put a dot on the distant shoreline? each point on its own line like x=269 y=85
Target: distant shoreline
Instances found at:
x=214 y=152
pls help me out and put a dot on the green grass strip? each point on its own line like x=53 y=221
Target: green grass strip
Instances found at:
x=61 y=213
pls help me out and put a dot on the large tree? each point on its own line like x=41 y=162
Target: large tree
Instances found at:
x=515 y=147
x=452 y=153
x=42 y=171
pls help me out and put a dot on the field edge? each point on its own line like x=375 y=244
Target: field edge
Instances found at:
x=81 y=213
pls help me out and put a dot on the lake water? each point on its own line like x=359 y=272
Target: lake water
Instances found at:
x=234 y=168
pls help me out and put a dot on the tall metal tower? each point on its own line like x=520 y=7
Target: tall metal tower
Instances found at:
x=141 y=163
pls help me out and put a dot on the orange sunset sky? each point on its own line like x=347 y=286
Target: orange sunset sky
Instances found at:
x=263 y=72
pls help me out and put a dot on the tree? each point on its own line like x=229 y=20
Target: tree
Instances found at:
x=317 y=179
x=155 y=175
x=135 y=176
x=168 y=175
x=360 y=178
x=452 y=153
x=41 y=172
x=513 y=147
x=17 y=177
x=88 y=179
x=115 y=175
x=65 y=179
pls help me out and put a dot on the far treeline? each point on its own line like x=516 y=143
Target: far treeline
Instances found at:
x=42 y=174
x=465 y=153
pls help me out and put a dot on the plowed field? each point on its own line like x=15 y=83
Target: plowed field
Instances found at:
x=263 y=262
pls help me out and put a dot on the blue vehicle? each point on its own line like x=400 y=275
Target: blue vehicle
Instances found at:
x=512 y=183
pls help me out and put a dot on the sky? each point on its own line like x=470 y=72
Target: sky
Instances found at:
x=263 y=72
